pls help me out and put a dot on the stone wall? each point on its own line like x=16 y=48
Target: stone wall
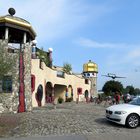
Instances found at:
x=9 y=102
x=5 y=102
x=27 y=76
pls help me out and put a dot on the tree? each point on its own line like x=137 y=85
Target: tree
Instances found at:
x=43 y=55
x=7 y=60
x=130 y=90
x=112 y=86
x=67 y=68
x=137 y=91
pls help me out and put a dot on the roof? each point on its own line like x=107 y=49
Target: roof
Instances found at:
x=90 y=67
x=17 y=21
x=91 y=63
x=15 y=18
x=58 y=68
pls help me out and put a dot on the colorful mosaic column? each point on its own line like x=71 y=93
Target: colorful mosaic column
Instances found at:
x=21 y=107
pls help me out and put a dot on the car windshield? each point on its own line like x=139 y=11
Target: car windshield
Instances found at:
x=135 y=101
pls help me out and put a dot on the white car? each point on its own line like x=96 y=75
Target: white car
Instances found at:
x=125 y=114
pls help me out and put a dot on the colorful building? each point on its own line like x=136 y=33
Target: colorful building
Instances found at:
x=35 y=81
x=90 y=71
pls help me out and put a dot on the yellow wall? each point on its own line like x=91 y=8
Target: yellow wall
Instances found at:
x=49 y=75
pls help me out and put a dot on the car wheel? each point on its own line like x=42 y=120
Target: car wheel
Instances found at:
x=132 y=121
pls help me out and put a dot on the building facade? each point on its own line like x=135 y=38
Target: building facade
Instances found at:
x=34 y=83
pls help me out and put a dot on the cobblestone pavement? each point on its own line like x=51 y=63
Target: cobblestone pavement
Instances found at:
x=66 y=119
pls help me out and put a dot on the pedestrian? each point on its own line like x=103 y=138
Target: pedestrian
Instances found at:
x=91 y=98
x=113 y=100
x=106 y=101
x=99 y=99
x=66 y=96
x=128 y=98
x=50 y=97
x=117 y=97
x=109 y=100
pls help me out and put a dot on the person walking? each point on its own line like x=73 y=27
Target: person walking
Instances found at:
x=117 y=97
x=66 y=96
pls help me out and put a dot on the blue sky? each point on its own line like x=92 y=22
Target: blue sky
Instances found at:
x=104 y=31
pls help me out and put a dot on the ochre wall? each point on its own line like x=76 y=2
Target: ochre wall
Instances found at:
x=42 y=76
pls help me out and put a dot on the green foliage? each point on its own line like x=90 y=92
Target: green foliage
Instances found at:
x=60 y=100
x=137 y=91
x=103 y=96
x=7 y=61
x=130 y=90
x=43 y=56
x=70 y=99
x=112 y=86
x=67 y=68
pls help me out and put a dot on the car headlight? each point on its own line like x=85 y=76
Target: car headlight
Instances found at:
x=120 y=112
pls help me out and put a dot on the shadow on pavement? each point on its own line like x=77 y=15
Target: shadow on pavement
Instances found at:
x=104 y=121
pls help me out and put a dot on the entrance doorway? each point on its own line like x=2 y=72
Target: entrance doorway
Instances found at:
x=49 y=90
x=86 y=96
x=39 y=94
x=70 y=91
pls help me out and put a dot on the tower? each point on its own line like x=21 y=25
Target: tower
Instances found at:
x=90 y=71
x=18 y=34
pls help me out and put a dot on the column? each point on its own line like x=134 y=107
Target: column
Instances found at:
x=21 y=107
x=53 y=98
x=24 y=37
x=6 y=33
x=53 y=95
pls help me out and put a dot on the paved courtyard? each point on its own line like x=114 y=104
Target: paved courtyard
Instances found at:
x=68 y=119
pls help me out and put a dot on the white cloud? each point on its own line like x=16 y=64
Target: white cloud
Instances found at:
x=90 y=43
x=134 y=54
x=131 y=57
x=123 y=54
x=127 y=59
x=94 y=44
x=117 y=56
x=44 y=15
x=55 y=19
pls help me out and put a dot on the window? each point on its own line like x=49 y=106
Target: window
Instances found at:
x=60 y=74
x=86 y=81
x=7 y=84
x=10 y=50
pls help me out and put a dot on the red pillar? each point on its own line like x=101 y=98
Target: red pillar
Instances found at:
x=21 y=107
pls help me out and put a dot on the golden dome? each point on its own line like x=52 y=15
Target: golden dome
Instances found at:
x=90 y=67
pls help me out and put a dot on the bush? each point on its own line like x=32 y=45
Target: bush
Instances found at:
x=69 y=99
x=60 y=100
